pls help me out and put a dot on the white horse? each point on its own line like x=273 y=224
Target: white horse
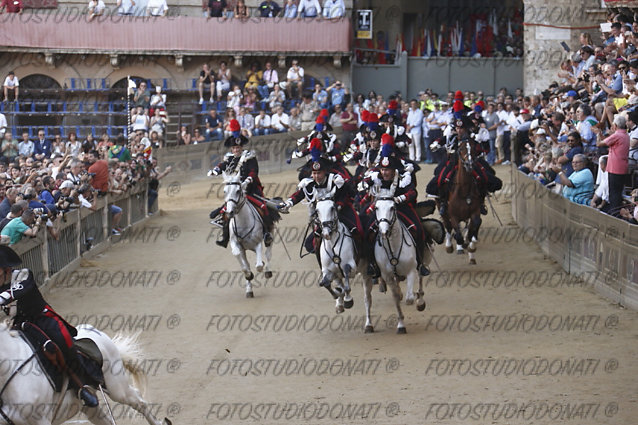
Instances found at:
x=246 y=230
x=27 y=398
x=337 y=253
x=396 y=255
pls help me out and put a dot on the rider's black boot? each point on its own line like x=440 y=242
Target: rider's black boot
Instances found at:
x=87 y=397
x=483 y=209
x=423 y=270
x=443 y=206
x=225 y=236
x=268 y=239
x=373 y=269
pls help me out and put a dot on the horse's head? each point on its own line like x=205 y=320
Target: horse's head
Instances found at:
x=327 y=217
x=386 y=214
x=465 y=155
x=233 y=193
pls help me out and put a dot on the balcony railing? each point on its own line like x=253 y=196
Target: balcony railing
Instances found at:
x=181 y=35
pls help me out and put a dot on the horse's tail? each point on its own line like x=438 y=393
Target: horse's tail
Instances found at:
x=131 y=353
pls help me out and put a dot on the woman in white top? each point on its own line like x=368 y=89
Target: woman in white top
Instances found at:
x=158 y=99
x=223 y=79
x=73 y=145
x=139 y=119
x=308 y=9
x=158 y=122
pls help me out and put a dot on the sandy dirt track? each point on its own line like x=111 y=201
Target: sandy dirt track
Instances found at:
x=499 y=342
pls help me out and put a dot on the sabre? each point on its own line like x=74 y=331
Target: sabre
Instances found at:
x=107 y=404
x=283 y=243
x=276 y=206
x=494 y=211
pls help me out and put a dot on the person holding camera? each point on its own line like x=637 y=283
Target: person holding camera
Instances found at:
x=27 y=224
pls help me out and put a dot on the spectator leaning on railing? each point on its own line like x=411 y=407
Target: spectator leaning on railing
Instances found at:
x=269 y=9
x=27 y=224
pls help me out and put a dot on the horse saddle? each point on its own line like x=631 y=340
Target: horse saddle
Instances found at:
x=425 y=208
x=88 y=354
x=434 y=229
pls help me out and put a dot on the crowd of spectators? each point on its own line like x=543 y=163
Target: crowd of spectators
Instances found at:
x=581 y=134
x=260 y=102
x=221 y=9
x=43 y=179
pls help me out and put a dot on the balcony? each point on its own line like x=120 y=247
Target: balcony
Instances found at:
x=48 y=32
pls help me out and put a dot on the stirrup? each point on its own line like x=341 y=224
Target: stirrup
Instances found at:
x=424 y=271
x=87 y=397
x=268 y=239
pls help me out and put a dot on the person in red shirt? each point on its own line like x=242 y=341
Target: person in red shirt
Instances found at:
x=617 y=162
x=11 y=6
x=99 y=169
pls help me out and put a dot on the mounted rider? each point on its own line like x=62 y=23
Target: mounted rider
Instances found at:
x=390 y=176
x=466 y=127
x=244 y=161
x=330 y=148
x=21 y=299
x=322 y=182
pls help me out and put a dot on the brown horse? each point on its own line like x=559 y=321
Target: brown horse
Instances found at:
x=464 y=204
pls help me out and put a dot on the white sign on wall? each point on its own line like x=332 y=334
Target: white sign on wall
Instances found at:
x=547 y=33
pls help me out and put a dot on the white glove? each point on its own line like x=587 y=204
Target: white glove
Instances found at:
x=297 y=154
x=285 y=207
x=400 y=130
x=400 y=144
x=214 y=172
x=399 y=199
x=5 y=298
x=435 y=146
x=246 y=182
x=359 y=138
x=301 y=141
x=362 y=186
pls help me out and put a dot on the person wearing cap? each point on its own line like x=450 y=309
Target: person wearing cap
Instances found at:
x=21 y=298
x=245 y=163
x=388 y=175
x=321 y=182
x=444 y=172
x=330 y=147
x=337 y=94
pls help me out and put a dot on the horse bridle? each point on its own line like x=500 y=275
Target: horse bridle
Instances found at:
x=394 y=259
x=241 y=200
x=332 y=224
x=468 y=161
x=394 y=214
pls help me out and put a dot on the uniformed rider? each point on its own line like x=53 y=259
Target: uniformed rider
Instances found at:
x=21 y=299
